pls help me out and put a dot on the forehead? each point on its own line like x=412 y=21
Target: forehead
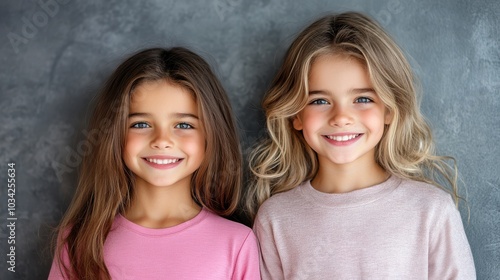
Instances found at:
x=162 y=95
x=337 y=58
x=338 y=70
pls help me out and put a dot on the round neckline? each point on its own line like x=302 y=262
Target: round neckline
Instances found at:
x=120 y=220
x=350 y=199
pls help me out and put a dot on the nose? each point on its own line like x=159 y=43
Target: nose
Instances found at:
x=161 y=139
x=341 y=117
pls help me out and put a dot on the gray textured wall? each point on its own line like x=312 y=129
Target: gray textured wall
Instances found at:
x=54 y=56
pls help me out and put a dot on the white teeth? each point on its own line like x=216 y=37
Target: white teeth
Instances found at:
x=342 y=138
x=162 y=161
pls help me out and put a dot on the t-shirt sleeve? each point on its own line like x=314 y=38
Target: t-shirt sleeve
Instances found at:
x=56 y=270
x=450 y=255
x=247 y=262
x=270 y=263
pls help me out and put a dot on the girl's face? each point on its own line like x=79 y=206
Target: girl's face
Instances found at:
x=344 y=117
x=165 y=142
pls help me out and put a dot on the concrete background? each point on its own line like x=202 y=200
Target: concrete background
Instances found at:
x=55 y=55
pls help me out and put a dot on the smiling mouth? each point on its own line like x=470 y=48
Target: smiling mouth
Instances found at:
x=162 y=161
x=342 y=138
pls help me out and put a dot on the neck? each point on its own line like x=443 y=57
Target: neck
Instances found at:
x=161 y=207
x=335 y=178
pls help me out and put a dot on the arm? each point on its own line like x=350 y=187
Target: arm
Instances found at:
x=247 y=261
x=450 y=256
x=270 y=263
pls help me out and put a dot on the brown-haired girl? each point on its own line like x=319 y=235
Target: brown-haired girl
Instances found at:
x=165 y=166
x=356 y=190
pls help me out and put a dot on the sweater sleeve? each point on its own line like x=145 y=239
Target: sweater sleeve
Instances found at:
x=450 y=255
x=247 y=262
x=270 y=263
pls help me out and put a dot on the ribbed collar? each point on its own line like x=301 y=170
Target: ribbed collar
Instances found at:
x=350 y=199
x=120 y=220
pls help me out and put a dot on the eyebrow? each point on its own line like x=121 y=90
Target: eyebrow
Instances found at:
x=352 y=91
x=173 y=115
x=362 y=90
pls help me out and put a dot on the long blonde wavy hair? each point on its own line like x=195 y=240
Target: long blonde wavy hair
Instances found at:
x=105 y=185
x=283 y=159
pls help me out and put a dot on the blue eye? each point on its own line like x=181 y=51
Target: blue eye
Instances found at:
x=184 y=126
x=140 y=125
x=363 y=100
x=319 y=102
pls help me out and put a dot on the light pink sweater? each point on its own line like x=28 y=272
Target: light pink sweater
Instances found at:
x=400 y=229
x=205 y=247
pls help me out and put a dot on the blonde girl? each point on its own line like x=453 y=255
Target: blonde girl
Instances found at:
x=348 y=180
x=165 y=166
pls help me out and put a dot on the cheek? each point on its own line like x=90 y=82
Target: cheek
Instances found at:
x=311 y=123
x=199 y=145
x=307 y=121
x=195 y=148
x=191 y=142
x=374 y=120
x=311 y=119
x=132 y=143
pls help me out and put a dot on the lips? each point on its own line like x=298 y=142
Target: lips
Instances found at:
x=162 y=161
x=342 y=138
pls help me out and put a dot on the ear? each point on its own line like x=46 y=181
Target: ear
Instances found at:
x=297 y=122
x=388 y=116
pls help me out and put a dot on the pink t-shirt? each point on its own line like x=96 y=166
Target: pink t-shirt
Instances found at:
x=205 y=247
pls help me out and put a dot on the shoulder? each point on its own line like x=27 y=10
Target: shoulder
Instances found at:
x=424 y=190
x=225 y=227
x=280 y=205
x=424 y=195
x=233 y=236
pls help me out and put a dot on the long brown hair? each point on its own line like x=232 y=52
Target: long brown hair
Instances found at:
x=283 y=160
x=105 y=183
